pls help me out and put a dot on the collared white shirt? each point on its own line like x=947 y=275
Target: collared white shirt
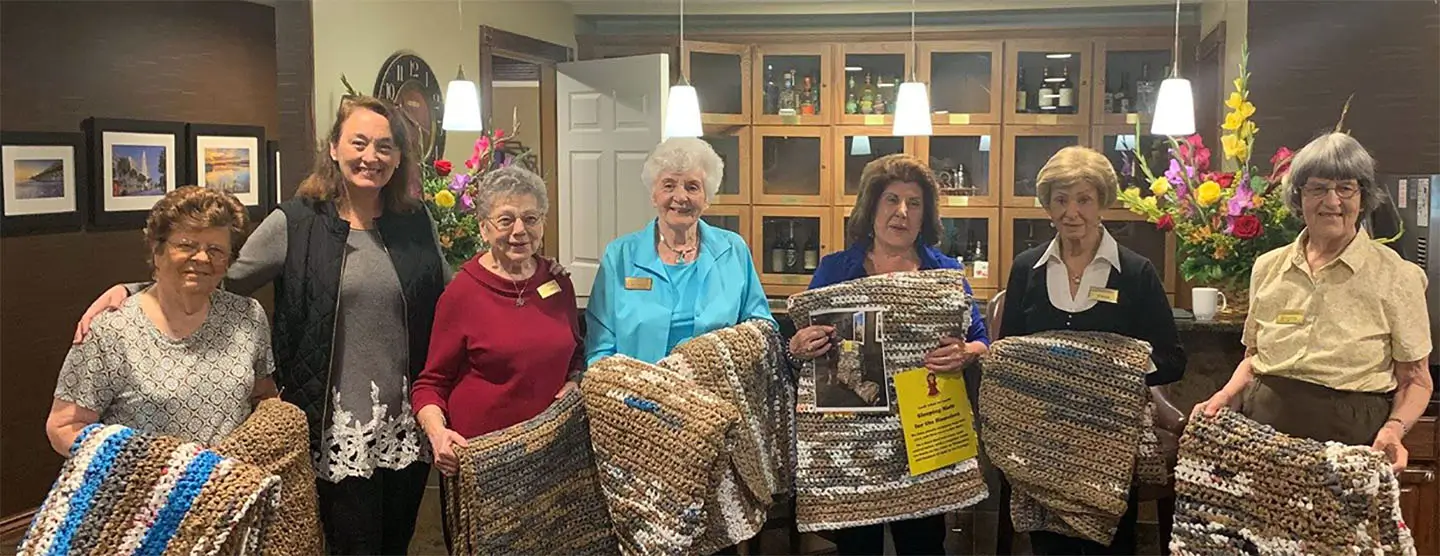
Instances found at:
x=1097 y=274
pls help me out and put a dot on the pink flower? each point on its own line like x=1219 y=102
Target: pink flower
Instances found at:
x=499 y=133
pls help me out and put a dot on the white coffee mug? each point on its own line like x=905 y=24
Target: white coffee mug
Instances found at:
x=1204 y=301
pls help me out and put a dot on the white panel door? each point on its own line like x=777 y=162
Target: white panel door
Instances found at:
x=609 y=117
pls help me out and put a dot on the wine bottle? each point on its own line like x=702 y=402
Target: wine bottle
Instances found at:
x=851 y=106
x=1047 y=92
x=1145 y=91
x=1022 y=98
x=812 y=254
x=807 y=98
x=772 y=91
x=777 y=253
x=1124 y=100
x=792 y=254
x=867 y=96
x=1067 y=92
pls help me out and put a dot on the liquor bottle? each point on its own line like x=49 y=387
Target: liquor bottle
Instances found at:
x=1022 y=99
x=979 y=261
x=891 y=95
x=1067 y=92
x=1047 y=92
x=850 y=85
x=952 y=238
x=815 y=97
x=1109 y=104
x=812 y=254
x=851 y=106
x=789 y=103
x=777 y=253
x=807 y=98
x=882 y=92
x=1124 y=101
x=867 y=97
x=772 y=91
x=792 y=254
x=1145 y=91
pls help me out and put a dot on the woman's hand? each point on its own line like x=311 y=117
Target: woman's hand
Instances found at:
x=812 y=341
x=1223 y=398
x=1388 y=441
x=556 y=268
x=953 y=354
x=442 y=442
x=570 y=385
x=108 y=301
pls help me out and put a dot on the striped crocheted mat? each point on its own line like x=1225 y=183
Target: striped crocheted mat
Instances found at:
x=1243 y=488
x=123 y=492
x=1063 y=415
x=852 y=468
x=531 y=488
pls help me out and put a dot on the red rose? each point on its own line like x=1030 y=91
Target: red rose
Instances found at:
x=442 y=167
x=1225 y=180
x=1165 y=223
x=1246 y=227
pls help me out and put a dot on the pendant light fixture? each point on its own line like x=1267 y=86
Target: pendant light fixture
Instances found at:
x=682 y=109
x=462 y=97
x=860 y=145
x=912 y=101
x=1175 y=107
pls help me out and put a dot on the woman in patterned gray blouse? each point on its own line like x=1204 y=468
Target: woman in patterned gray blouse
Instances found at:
x=182 y=358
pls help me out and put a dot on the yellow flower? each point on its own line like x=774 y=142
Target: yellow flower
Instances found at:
x=1235 y=147
x=1233 y=121
x=1221 y=252
x=1132 y=192
x=1148 y=202
x=1160 y=186
x=1207 y=193
x=1240 y=83
x=1248 y=130
x=1235 y=99
x=1258 y=201
x=1245 y=110
x=446 y=241
x=445 y=199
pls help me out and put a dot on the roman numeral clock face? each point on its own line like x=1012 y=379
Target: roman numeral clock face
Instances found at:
x=407 y=81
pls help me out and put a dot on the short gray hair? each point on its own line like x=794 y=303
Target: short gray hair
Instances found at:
x=683 y=154
x=508 y=181
x=1334 y=156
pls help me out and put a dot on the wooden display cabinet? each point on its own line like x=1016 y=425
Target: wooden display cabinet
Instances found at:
x=962 y=228
x=971 y=151
x=1419 y=487
x=838 y=241
x=1025 y=228
x=734 y=145
x=1026 y=150
x=721 y=75
x=881 y=66
x=1121 y=64
x=966 y=81
x=814 y=61
x=1020 y=229
x=791 y=165
x=856 y=146
x=1034 y=56
x=773 y=229
x=1116 y=141
x=730 y=217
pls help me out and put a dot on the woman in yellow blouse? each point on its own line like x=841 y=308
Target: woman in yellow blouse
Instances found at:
x=1337 y=323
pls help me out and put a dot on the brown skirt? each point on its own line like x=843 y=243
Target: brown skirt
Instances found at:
x=1309 y=410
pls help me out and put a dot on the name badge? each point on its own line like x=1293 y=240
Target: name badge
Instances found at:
x=548 y=289
x=1106 y=295
x=1290 y=317
x=633 y=283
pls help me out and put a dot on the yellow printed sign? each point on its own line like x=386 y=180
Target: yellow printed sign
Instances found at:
x=935 y=415
x=548 y=289
x=957 y=201
x=1047 y=119
x=959 y=119
x=874 y=119
x=1132 y=118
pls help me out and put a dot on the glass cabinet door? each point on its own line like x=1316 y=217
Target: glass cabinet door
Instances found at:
x=792 y=85
x=721 y=76
x=794 y=166
x=1049 y=81
x=969 y=235
x=965 y=81
x=1119 y=143
x=966 y=161
x=872 y=76
x=1131 y=230
x=1023 y=229
x=1027 y=149
x=1128 y=73
x=858 y=146
x=787 y=243
x=733 y=218
x=732 y=143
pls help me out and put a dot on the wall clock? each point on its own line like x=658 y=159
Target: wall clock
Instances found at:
x=406 y=80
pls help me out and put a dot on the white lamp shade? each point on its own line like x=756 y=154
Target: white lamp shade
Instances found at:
x=1175 y=109
x=912 y=110
x=462 y=107
x=984 y=143
x=860 y=145
x=682 y=113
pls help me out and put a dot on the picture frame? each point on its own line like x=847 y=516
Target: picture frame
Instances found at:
x=44 y=180
x=232 y=158
x=133 y=164
x=272 y=150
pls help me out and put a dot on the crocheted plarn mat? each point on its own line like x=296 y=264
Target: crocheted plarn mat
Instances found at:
x=531 y=488
x=852 y=468
x=657 y=437
x=1243 y=488
x=276 y=438
x=123 y=492
x=741 y=364
x=1062 y=414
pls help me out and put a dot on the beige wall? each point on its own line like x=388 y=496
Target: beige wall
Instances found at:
x=1235 y=14
x=353 y=37
x=523 y=101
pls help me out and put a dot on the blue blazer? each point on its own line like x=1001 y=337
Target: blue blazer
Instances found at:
x=850 y=264
x=635 y=321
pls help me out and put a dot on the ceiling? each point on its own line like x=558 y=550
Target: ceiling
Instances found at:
x=782 y=7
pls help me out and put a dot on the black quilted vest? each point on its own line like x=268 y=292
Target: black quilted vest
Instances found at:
x=308 y=291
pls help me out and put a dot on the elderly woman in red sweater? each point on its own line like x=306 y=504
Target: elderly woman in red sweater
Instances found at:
x=506 y=341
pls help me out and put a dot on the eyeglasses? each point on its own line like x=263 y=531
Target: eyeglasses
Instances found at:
x=506 y=222
x=190 y=249
x=1316 y=189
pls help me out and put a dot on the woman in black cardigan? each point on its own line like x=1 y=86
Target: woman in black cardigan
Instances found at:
x=1083 y=280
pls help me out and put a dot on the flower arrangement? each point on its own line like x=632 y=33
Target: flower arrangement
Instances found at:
x=449 y=193
x=1222 y=220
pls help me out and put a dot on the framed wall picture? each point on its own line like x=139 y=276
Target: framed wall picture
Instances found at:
x=231 y=158
x=133 y=163
x=43 y=180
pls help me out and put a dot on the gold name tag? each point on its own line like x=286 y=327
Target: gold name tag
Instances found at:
x=1106 y=295
x=1290 y=317
x=633 y=283
x=548 y=289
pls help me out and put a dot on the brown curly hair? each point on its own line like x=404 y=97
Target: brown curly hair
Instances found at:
x=882 y=172
x=326 y=180
x=194 y=208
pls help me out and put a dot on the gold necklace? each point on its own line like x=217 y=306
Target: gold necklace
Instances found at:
x=519 y=288
x=679 y=253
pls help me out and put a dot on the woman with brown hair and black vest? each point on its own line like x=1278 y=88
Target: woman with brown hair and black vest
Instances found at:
x=357 y=271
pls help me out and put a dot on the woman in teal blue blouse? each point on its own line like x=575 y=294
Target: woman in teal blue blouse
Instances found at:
x=678 y=277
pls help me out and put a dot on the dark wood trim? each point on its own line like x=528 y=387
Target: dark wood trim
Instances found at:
x=549 y=151
x=14 y=526
x=295 y=59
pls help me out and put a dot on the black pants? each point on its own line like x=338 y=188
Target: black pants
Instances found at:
x=1047 y=543
x=923 y=536
x=374 y=515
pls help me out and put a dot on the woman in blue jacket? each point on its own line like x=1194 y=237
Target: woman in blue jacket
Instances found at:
x=894 y=227
x=677 y=277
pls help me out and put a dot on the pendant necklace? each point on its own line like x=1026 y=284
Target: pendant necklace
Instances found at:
x=680 y=254
x=520 y=295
